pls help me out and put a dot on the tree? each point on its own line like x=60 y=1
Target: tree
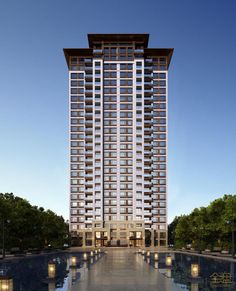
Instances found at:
x=206 y=227
x=30 y=226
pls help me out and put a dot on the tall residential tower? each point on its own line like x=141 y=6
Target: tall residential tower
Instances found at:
x=118 y=140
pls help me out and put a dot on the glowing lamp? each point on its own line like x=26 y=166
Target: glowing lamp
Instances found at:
x=156 y=257
x=99 y=251
x=85 y=256
x=91 y=254
x=96 y=252
x=143 y=252
x=148 y=254
x=6 y=284
x=139 y=251
x=73 y=261
x=194 y=270
x=168 y=261
x=51 y=270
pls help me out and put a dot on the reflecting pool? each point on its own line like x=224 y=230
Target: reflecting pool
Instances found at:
x=192 y=272
x=46 y=272
x=118 y=269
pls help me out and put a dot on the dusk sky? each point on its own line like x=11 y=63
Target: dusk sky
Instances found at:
x=34 y=154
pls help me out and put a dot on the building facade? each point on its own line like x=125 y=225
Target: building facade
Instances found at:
x=118 y=140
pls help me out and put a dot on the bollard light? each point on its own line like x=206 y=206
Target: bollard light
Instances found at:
x=143 y=252
x=6 y=284
x=148 y=254
x=51 y=270
x=156 y=257
x=168 y=261
x=91 y=254
x=96 y=252
x=99 y=251
x=194 y=270
x=73 y=261
x=85 y=256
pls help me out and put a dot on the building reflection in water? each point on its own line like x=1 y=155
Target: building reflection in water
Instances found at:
x=232 y=271
x=156 y=265
x=51 y=286
x=194 y=286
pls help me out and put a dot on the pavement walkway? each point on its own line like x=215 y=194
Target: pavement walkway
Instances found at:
x=123 y=270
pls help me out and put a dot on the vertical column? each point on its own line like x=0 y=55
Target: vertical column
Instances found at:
x=118 y=141
x=134 y=142
x=102 y=147
x=143 y=125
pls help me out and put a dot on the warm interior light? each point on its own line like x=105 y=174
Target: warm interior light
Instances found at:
x=98 y=234
x=194 y=270
x=138 y=234
x=168 y=261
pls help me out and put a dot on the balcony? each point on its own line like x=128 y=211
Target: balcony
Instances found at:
x=88 y=137
x=148 y=76
x=88 y=77
x=147 y=213
x=147 y=206
x=147 y=146
x=97 y=51
x=88 y=191
x=155 y=211
x=89 y=198
x=139 y=51
x=147 y=191
x=147 y=198
x=88 y=91
x=147 y=175
x=88 y=206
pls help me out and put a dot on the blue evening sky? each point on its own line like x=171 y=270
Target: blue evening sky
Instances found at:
x=34 y=92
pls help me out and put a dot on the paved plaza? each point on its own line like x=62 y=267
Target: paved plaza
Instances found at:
x=123 y=270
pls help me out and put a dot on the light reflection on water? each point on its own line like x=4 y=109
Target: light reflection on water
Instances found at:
x=31 y=273
x=214 y=274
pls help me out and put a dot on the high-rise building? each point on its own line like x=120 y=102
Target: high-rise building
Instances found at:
x=118 y=140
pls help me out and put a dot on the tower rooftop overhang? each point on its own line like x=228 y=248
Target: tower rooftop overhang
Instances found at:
x=160 y=52
x=83 y=52
x=124 y=37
